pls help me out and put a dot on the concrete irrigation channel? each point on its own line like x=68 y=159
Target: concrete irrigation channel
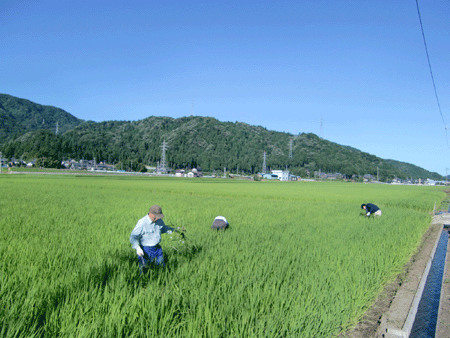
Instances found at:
x=443 y=320
x=394 y=313
x=402 y=318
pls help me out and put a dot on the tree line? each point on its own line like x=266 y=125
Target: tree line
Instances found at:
x=192 y=141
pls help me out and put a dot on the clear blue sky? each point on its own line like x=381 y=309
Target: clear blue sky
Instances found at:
x=360 y=67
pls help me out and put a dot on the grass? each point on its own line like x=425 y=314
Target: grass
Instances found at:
x=290 y=266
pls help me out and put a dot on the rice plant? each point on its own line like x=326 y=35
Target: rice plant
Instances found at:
x=297 y=261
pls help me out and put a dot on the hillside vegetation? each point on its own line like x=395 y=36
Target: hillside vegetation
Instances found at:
x=28 y=129
x=19 y=116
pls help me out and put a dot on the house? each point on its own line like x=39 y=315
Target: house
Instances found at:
x=196 y=172
x=270 y=177
x=180 y=173
x=16 y=162
x=283 y=175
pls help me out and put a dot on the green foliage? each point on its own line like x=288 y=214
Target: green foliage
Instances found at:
x=46 y=162
x=20 y=116
x=412 y=170
x=38 y=144
x=289 y=266
x=193 y=141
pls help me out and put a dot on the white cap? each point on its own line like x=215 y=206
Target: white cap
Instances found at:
x=221 y=218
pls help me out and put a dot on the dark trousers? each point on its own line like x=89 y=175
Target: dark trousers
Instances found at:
x=152 y=255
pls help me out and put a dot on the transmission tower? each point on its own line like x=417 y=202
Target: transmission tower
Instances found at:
x=162 y=164
x=290 y=147
x=56 y=131
x=264 y=163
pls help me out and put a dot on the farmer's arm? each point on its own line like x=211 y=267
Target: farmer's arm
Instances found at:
x=169 y=230
x=164 y=228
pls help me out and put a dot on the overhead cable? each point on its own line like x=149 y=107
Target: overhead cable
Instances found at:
x=431 y=71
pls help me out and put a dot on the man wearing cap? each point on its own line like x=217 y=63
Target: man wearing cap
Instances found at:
x=146 y=236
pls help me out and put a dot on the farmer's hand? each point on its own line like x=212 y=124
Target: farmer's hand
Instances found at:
x=139 y=252
x=179 y=229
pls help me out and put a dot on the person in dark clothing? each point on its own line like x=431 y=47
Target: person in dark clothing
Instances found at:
x=371 y=209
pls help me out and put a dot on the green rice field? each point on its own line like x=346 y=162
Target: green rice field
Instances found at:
x=297 y=261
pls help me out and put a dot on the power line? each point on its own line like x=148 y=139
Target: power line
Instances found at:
x=431 y=71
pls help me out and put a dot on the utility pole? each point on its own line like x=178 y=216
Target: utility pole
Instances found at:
x=264 y=168
x=1 y=162
x=290 y=148
x=378 y=174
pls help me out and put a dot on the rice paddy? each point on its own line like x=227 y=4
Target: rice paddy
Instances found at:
x=297 y=261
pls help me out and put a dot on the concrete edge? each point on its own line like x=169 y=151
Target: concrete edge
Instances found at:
x=443 y=320
x=407 y=327
x=398 y=321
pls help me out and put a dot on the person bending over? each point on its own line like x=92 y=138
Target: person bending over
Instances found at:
x=371 y=209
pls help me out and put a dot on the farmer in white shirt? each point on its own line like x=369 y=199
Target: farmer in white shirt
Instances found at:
x=146 y=236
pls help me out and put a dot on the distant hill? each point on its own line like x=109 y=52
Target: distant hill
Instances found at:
x=19 y=116
x=413 y=170
x=192 y=141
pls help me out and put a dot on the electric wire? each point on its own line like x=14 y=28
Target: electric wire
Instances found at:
x=431 y=72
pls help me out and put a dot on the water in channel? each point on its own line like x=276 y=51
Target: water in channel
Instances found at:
x=426 y=318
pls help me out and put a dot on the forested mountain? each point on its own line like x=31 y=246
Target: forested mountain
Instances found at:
x=19 y=116
x=412 y=170
x=192 y=141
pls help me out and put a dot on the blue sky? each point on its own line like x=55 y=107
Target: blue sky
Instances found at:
x=354 y=72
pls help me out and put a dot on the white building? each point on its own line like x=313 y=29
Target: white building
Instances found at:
x=282 y=174
x=180 y=173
